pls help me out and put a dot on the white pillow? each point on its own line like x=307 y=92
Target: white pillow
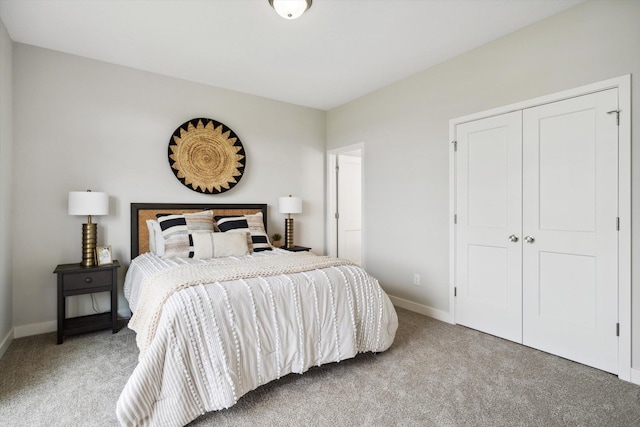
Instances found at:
x=156 y=239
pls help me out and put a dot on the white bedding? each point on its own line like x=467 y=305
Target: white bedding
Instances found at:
x=215 y=342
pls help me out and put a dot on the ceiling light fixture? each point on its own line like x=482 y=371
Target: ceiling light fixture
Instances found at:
x=290 y=9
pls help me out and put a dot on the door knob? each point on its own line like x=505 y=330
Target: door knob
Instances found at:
x=529 y=239
x=513 y=238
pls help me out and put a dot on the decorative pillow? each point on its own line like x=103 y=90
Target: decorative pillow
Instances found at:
x=156 y=240
x=174 y=224
x=206 y=244
x=152 y=236
x=253 y=224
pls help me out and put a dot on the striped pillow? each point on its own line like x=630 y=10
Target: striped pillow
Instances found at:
x=253 y=223
x=175 y=224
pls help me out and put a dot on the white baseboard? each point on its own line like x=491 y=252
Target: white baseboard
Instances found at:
x=35 y=329
x=635 y=376
x=422 y=309
x=6 y=342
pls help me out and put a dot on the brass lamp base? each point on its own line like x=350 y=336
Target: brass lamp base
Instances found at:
x=89 y=239
x=288 y=233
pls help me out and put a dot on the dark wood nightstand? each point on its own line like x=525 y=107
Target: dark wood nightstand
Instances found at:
x=296 y=248
x=73 y=279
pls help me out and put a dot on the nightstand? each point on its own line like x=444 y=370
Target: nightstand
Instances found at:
x=73 y=279
x=296 y=248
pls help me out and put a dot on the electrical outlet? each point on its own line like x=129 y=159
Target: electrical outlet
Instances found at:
x=416 y=279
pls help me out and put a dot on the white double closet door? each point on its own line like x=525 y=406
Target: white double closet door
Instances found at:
x=536 y=238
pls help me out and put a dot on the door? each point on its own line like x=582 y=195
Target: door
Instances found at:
x=536 y=234
x=570 y=188
x=489 y=210
x=349 y=203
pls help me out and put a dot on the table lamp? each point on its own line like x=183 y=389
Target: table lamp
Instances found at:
x=88 y=203
x=289 y=205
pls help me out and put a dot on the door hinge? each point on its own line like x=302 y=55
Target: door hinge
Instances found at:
x=455 y=145
x=455 y=291
x=617 y=115
x=455 y=219
x=618 y=223
x=337 y=215
x=617 y=329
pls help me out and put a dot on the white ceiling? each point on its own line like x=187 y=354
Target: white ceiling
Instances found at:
x=337 y=51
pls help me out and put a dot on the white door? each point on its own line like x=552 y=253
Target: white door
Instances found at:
x=489 y=211
x=570 y=284
x=350 y=206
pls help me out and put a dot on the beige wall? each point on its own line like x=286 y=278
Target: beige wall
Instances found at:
x=405 y=131
x=6 y=143
x=82 y=124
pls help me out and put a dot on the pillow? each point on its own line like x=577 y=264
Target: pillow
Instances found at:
x=174 y=224
x=156 y=240
x=206 y=244
x=253 y=224
x=152 y=236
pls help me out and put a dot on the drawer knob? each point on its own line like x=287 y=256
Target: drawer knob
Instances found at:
x=88 y=280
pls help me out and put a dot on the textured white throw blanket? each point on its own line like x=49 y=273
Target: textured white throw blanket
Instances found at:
x=217 y=341
x=158 y=288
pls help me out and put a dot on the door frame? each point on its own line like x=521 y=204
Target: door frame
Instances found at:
x=331 y=197
x=623 y=84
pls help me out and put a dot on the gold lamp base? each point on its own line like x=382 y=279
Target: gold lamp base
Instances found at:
x=288 y=233
x=89 y=239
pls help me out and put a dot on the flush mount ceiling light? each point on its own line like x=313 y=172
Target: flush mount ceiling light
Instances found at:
x=290 y=9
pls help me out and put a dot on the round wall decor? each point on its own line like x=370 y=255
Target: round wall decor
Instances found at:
x=206 y=156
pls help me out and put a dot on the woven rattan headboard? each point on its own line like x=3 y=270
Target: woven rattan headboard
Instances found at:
x=141 y=212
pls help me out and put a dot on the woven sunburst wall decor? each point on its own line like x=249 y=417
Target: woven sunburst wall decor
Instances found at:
x=206 y=156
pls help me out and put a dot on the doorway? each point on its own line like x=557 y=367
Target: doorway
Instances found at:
x=344 y=203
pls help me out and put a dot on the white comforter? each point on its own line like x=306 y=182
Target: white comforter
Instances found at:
x=215 y=342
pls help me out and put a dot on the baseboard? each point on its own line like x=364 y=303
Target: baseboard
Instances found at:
x=35 y=329
x=6 y=342
x=635 y=376
x=422 y=309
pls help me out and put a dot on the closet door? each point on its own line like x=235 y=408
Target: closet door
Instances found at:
x=489 y=211
x=570 y=284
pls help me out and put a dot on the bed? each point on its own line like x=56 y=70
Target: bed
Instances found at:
x=219 y=312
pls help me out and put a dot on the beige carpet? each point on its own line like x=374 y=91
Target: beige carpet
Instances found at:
x=435 y=374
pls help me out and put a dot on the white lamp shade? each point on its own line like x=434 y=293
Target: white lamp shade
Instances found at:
x=88 y=203
x=290 y=205
x=290 y=9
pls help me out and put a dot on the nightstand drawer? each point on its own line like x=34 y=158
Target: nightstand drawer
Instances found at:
x=90 y=279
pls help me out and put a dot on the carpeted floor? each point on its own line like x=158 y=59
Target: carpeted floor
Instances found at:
x=435 y=374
